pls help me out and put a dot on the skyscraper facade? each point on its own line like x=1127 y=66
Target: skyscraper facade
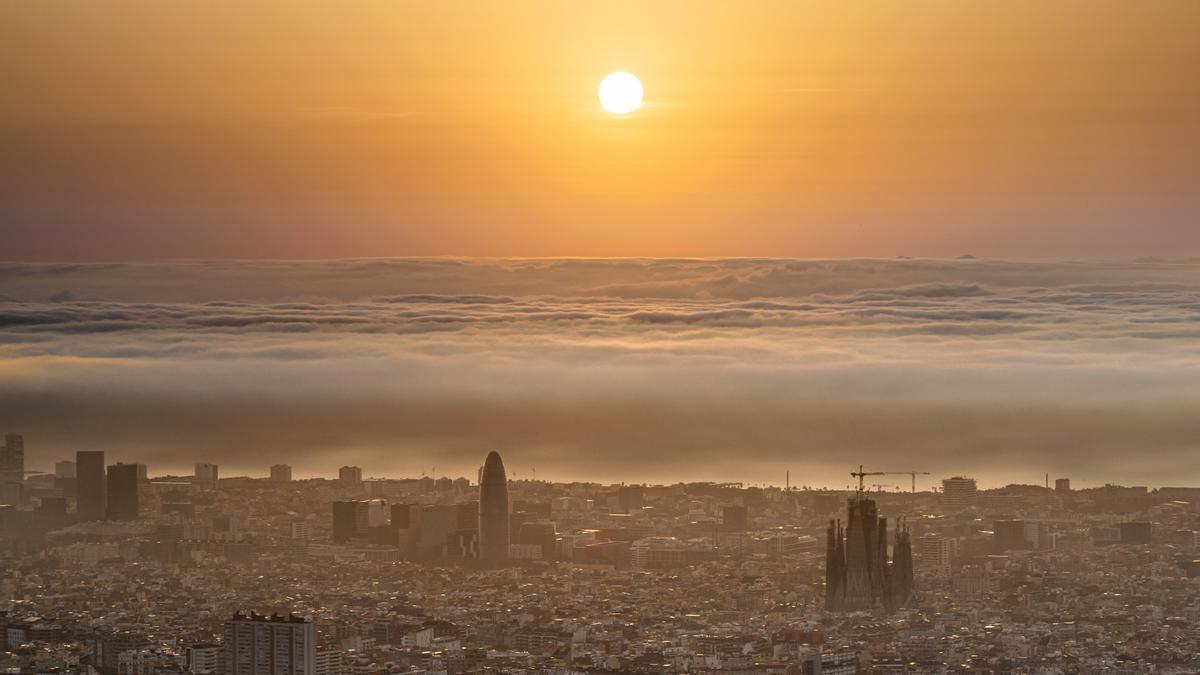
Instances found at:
x=91 y=491
x=493 y=510
x=269 y=645
x=123 y=502
x=349 y=521
x=858 y=575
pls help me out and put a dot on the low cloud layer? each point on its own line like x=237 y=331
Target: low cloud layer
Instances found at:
x=613 y=369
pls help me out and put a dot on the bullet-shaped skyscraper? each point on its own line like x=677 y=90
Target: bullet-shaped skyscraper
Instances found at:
x=493 y=510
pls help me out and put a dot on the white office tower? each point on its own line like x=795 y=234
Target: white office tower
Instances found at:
x=269 y=645
x=377 y=513
x=329 y=662
x=935 y=553
x=203 y=659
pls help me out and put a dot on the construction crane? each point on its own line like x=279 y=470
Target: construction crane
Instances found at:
x=860 y=474
x=914 y=475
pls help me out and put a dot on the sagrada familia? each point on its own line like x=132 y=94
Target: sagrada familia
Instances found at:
x=858 y=575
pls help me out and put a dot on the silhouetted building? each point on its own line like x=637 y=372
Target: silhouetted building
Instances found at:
x=858 y=575
x=350 y=521
x=835 y=566
x=899 y=575
x=630 y=498
x=405 y=523
x=543 y=534
x=1135 y=533
x=64 y=469
x=91 y=488
x=735 y=518
x=1009 y=535
x=402 y=517
x=12 y=459
x=269 y=645
x=493 y=510
x=405 y=526
x=65 y=486
x=206 y=474
x=281 y=473
x=1062 y=485
x=436 y=530
x=123 y=501
x=958 y=493
x=52 y=512
x=350 y=475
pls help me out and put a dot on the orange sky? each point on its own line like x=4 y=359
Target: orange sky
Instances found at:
x=305 y=129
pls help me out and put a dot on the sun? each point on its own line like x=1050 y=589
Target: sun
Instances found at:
x=620 y=93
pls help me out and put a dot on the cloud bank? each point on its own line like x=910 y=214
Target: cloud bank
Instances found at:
x=613 y=369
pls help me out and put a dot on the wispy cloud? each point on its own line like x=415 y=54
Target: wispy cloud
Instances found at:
x=625 y=369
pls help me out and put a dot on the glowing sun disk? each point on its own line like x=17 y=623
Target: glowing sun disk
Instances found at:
x=620 y=93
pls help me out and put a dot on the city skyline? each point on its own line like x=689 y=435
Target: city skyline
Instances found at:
x=955 y=490
x=237 y=576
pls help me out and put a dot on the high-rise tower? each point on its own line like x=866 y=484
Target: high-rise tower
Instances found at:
x=91 y=485
x=12 y=459
x=206 y=474
x=12 y=470
x=122 y=486
x=269 y=645
x=493 y=510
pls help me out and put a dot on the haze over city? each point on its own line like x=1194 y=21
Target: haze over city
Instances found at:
x=465 y=337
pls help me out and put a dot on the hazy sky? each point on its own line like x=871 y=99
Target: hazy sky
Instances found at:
x=633 y=370
x=208 y=129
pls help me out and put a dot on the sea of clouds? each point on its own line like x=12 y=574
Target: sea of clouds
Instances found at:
x=623 y=369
